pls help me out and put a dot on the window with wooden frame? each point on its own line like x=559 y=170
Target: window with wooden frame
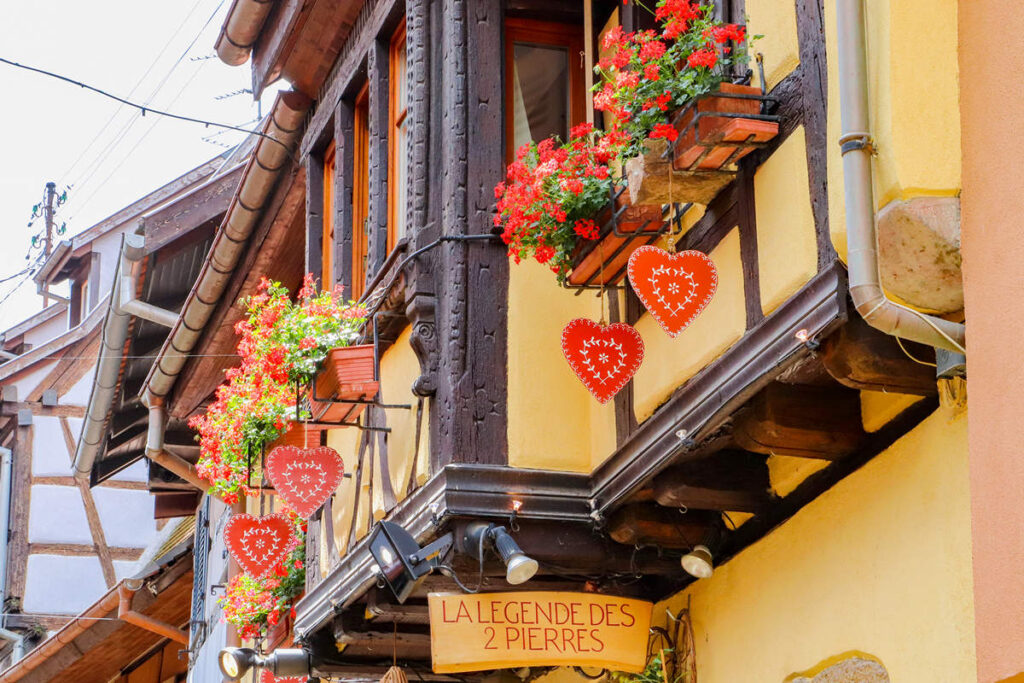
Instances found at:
x=398 y=139
x=360 y=190
x=327 y=241
x=545 y=91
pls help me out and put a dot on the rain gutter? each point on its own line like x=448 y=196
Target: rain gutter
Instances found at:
x=241 y=29
x=862 y=243
x=268 y=160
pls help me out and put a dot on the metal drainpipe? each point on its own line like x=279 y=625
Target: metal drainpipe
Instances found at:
x=113 y=337
x=862 y=244
x=155 y=449
x=6 y=464
x=132 y=253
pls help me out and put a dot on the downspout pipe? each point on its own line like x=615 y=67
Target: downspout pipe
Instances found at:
x=155 y=449
x=862 y=243
x=123 y=305
x=126 y=593
x=131 y=258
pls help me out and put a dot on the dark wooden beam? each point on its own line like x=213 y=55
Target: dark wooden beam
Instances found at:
x=861 y=357
x=705 y=403
x=647 y=524
x=800 y=420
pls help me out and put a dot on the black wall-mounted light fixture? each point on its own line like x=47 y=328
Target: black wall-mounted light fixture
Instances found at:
x=401 y=560
x=519 y=567
x=235 y=662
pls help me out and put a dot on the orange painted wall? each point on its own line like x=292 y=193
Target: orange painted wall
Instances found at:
x=992 y=116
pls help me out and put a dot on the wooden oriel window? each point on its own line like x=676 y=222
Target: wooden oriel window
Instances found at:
x=398 y=139
x=545 y=81
x=327 y=242
x=360 y=190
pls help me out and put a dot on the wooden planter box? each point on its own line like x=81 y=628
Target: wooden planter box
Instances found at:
x=705 y=153
x=603 y=264
x=348 y=374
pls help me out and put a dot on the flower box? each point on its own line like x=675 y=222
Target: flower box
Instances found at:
x=300 y=435
x=604 y=261
x=348 y=374
x=703 y=156
x=713 y=142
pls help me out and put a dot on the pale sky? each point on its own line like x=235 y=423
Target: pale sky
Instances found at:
x=107 y=153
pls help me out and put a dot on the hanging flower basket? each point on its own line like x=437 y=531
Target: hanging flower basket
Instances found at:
x=603 y=261
x=713 y=133
x=348 y=375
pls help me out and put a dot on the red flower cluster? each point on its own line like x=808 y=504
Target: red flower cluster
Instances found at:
x=282 y=343
x=550 y=193
x=648 y=73
x=251 y=604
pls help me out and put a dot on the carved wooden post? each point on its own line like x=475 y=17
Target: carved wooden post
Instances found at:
x=344 y=161
x=472 y=378
x=377 y=66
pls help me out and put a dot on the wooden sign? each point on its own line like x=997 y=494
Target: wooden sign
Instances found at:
x=502 y=630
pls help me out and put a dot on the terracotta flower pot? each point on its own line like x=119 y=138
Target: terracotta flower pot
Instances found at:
x=301 y=435
x=348 y=374
x=599 y=263
x=721 y=137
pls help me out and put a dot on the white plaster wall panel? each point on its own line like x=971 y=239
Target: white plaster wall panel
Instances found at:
x=62 y=585
x=26 y=383
x=40 y=334
x=57 y=515
x=108 y=246
x=127 y=516
x=137 y=471
x=49 y=451
x=78 y=395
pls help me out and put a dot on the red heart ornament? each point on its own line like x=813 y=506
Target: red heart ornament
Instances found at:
x=604 y=357
x=305 y=477
x=674 y=288
x=268 y=677
x=259 y=543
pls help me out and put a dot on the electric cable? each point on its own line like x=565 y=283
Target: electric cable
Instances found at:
x=131 y=92
x=145 y=109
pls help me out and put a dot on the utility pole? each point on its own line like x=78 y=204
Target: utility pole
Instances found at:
x=51 y=192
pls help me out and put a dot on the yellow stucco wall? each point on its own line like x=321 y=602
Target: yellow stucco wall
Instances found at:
x=399 y=367
x=553 y=421
x=880 y=564
x=670 y=362
x=914 y=99
x=787 y=248
x=776 y=23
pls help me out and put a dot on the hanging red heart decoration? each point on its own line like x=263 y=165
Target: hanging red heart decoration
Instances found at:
x=674 y=288
x=305 y=477
x=259 y=543
x=604 y=357
x=268 y=677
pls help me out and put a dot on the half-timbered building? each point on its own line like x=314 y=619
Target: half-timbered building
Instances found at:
x=802 y=446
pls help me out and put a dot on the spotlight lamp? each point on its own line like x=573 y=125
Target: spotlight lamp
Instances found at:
x=519 y=567
x=698 y=563
x=401 y=560
x=235 y=662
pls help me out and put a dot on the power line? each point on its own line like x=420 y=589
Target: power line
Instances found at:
x=131 y=92
x=145 y=109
